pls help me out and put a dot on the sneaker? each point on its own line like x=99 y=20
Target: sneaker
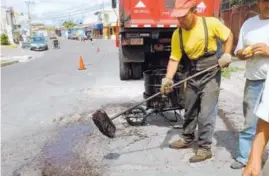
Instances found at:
x=179 y=144
x=201 y=155
x=237 y=165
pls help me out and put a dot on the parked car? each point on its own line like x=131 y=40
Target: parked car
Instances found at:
x=73 y=37
x=39 y=44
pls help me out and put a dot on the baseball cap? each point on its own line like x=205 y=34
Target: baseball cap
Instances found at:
x=182 y=7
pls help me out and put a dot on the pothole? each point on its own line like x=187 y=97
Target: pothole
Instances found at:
x=57 y=157
x=60 y=158
x=76 y=167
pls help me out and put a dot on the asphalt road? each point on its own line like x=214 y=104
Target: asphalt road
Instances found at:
x=42 y=96
x=37 y=92
x=44 y=88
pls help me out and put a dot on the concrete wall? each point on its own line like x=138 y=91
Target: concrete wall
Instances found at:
x=7 y=23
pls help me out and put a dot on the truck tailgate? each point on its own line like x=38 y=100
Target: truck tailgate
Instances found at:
x=156 y=13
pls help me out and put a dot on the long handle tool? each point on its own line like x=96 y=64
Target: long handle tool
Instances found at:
x=105 y=124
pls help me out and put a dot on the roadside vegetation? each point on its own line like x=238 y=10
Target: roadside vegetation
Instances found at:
x=227 y=72
x=5 y=42
x=4 y=39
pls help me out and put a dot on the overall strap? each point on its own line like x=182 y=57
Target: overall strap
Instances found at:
x=185 y=61
x=206 y=35
x=206 y=38
x=181 y=41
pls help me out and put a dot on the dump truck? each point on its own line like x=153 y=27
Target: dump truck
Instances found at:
x=144 y=30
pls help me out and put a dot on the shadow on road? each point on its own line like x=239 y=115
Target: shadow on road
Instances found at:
x=166 y=119
x=170 y=134
x=115 y=156
x=228 y=140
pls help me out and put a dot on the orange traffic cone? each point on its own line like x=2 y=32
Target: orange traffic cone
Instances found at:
x=81 y=64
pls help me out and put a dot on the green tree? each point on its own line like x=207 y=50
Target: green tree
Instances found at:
x=69 y=24
x=240 y=2
x=4 y=39
x=50 y=29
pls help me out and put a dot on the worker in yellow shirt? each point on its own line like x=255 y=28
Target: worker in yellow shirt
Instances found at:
x=194 y=46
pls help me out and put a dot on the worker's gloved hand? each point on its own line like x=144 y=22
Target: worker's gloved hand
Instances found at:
x=225 y=60
x=166 y=86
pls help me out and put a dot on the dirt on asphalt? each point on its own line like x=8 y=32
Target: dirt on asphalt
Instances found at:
x=57 y=157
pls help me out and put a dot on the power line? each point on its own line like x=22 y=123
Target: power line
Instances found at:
x=68 y=9
x=76 y=13
x=75 y=9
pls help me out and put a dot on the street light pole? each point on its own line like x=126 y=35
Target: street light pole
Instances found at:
x=28 y=3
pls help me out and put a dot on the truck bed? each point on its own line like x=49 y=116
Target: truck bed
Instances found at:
x=149 y=13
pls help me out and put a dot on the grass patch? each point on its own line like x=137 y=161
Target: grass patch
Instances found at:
x=227 y=72
x=4 y=39
x=4 y=61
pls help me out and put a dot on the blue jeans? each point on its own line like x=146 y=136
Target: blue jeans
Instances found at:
x=251 y=97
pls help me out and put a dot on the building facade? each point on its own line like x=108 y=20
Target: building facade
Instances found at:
x=7 y=22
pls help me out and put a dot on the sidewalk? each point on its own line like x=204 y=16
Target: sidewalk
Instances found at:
x=15 y=55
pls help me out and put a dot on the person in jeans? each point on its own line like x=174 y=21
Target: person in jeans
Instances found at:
x=254 y=165
x=194 y=45
x=253 y=46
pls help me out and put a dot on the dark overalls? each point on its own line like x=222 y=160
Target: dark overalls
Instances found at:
x=201 y=94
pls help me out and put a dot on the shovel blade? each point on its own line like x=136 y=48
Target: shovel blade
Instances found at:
x=104 y=123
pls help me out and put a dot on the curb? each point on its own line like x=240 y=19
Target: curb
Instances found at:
x=17 y=59
x=8 y=63
x=23 y=59
x=9 y=46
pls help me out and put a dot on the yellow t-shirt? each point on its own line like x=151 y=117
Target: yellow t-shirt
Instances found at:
x=194 y=39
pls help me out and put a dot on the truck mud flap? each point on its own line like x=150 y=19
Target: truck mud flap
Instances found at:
x=129 y=69
x=133 y=54
x=125 y=69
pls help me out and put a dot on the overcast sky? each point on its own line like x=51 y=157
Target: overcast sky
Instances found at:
x=56 y=10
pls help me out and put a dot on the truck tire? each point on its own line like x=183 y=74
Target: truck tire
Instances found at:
x=136 y=70
x=124 y=67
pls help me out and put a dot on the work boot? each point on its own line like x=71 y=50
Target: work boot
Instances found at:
x=179 y=144
x=237 y=165
x=201 y=155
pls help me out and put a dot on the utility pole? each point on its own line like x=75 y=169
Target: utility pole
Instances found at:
x=28 y=3
x=103 y=6
x=3 y=3
x=69 y=17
